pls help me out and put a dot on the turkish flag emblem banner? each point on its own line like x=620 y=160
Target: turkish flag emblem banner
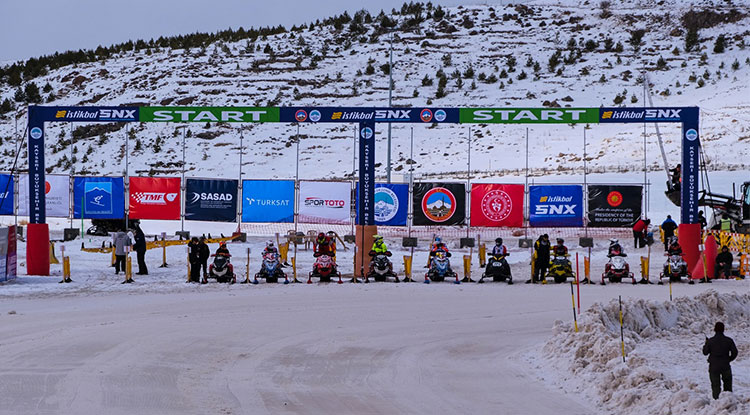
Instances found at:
x=155 y=198
x=497 y=205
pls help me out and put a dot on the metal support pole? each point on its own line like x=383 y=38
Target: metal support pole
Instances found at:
x=390 y=99
x=526 y=189
x=585 y=185
x=468 y=182
x=354 y=169
x=71 y=180
x=239 y=205
x=182 y=184
x=645 y=165
x=410 y=213
x=127 y=150
x=296 y=198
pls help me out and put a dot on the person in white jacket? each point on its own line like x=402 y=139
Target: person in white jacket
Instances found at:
x=122 y=243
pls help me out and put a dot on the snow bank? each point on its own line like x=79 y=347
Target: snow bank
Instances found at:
x=665 y=371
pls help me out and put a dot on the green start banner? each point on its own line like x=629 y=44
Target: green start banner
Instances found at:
x=209 y=114
x=529 y=115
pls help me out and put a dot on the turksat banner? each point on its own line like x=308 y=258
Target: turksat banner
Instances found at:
x=560 y=205
x=99 y=197
x=268 y=201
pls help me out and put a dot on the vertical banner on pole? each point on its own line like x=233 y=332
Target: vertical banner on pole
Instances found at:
x=36 y=187
x=690 y=165
x=367 y=173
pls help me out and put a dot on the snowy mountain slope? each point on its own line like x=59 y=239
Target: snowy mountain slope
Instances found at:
x=326 y=66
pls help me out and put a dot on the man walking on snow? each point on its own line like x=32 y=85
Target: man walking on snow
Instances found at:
x=720 y=350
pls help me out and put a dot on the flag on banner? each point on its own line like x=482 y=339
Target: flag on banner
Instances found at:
x=439 y=204
x=99 y=197
x=57 y=194
x=154 y=198
x=325 y=202
x=559 y=205
x=497 y=204
x=6 y=194
x=268 y=201
x=211 y=200
x=614 y=206
x=391 y=204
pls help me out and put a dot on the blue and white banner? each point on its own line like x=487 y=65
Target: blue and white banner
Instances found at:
x=391 y=204
x=99 y=197
x=212 y=200
x=268 y=201
x=560 y=205
x=6 y=194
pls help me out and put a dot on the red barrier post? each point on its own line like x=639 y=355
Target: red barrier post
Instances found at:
x=37 y=249
x=690 y=239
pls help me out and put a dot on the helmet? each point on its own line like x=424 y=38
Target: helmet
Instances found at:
x=614 y=241
x=378 y=238
x=269 y=244
x=223 y=245
x=499 y=241
x=438 y=240
x=560 y=240
x=321 y=235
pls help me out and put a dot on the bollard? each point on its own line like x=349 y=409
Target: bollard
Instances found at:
x=644 y=268
x=744 y=267
x=407 y=268
x=294 y=269
x=482 y=253
x=247 y=269
x=163 y=250
x=128 y=271
x=187 y=255
x=113 y=256
x=52 y=258
x=65 y=266
x=587 y=269
x=467 y=269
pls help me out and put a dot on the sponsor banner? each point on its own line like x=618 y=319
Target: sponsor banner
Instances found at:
x=346 y=114
x=614 y=206
x=626 y=115
x=325 y=202
x=529 y=115
x=391 y=204
x=497 y=204
x=11 y=261
x=6 y=194
x=74 y=114
x=35 y=203
x=212 y=200
x=439 y=204
x=560 y=205
x=154 y=198
x=99 y=197
x=4 y=233
x=209 y=114
x=268 y=201
x=56 y=192
x=366 y=192
x=690 y=166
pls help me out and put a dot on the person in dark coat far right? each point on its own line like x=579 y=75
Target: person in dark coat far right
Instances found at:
x=205 y=253
x=195 y=259
x=720 y=350
x=140 y=249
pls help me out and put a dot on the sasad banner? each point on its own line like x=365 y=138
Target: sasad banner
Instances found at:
x=325 y=202
x=99 y=197
x=6 y=194
x=391 y=204
x=57 y=194
x=211 y=200
x=560 y=205
x=497 y=205
x=154 y=198
x=268 y=201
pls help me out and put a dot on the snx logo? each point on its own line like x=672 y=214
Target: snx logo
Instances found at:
x=117 y=114
x=663 y=113
x=555 y=209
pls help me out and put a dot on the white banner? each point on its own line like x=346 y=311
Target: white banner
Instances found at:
x=325 y=202
x=57 y=195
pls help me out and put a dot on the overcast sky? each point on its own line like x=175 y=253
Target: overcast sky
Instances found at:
x=31 y=28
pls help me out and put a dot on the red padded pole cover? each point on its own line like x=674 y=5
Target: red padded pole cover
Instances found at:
x=37 y=249
x=690 y=239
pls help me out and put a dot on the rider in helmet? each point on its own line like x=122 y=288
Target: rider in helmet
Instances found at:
x=270 y=248
x=499 y=249
x=560 y=249
x=324 y=246
x=674 y=247
x=437 y=246
x=378 y=246
x=222 y=250
x=615 y=249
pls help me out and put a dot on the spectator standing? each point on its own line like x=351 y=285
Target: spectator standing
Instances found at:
x=720 y=350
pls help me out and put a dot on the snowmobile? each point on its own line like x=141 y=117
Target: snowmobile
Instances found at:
x=617 y=269
x=323 y=269
x=675 y=269
x=440 y=269
x=221 y=269
x=271 y=269
x=498 y=269
x=560 y=269
x=381 y=267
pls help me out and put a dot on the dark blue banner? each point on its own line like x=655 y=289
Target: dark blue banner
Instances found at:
x=211 y=200
x=346 y=114
x=99 y=197
x=391 y=204
x=6 y=194
x=268 y=201
x=552 y=206
x=83 y=114
x=628 y=115
x=366 y=191
x=37 y=187
x=690 y=166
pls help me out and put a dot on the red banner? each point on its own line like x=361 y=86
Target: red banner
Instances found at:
x=154 y=198
x=497 y=205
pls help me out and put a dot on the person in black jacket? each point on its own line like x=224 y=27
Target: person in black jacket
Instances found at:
x=720 y=350
x=541 y=264
x=205 y=253
x=140 y=249
x=194 y=256
x=668 y=226
x=723 y=263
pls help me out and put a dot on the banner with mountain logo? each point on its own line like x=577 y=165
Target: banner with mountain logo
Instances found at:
x=439 y=204
x=99 y=197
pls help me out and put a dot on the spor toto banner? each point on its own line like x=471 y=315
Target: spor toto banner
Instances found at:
x=559 y=205
x=268 y=201
x=99 y=197
x=57 y=196
x=155 y=198
x=497 y=205
x=439 y=204
x=6 y=194
x=391 y=204
x=614 y=206
x=325 y=202
x=213 y=200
